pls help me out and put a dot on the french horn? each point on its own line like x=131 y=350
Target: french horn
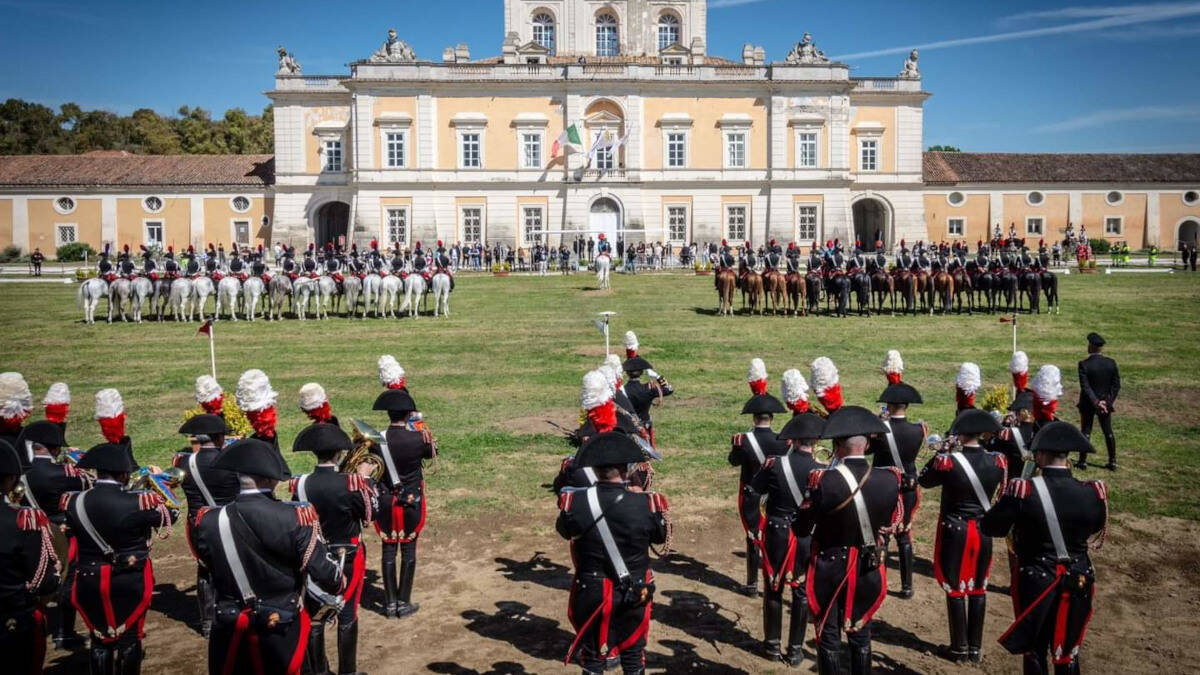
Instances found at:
x=363 y=436
x=161 y=483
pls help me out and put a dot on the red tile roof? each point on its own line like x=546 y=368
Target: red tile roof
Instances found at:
x=999 y=167
x=117 y=170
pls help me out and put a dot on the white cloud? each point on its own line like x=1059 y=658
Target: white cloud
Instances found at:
x=1098 y=18
x=1103 y=118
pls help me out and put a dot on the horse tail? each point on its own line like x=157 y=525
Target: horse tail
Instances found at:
x=79 y=295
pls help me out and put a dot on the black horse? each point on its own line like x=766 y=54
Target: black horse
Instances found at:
x=837 y=288
x=1050 y=288
x=812 y=288
x=1031 y=288
x=860 y=283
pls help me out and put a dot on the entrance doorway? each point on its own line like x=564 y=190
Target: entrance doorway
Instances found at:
x=870 y=223
x=331 y=224
x=605 y=218
x=1189 y=232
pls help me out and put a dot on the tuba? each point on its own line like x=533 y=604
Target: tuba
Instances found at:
x=364 y=436
x=163 y=484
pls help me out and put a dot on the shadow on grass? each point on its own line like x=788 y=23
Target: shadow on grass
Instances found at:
x=696 y=615
x=684 y=659
x=498 y=668
x=178 y=604
x=882 y=631
x=538 y=569
x=689 y=568
x=513 y=623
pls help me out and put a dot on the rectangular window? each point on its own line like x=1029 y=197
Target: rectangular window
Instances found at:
x=397 y=226
x=677 y=223
x=735 y=150
x=735 y=221
x=470 y=152
x=472 y=224
x=1113 y=225
x=955 y=227
x=806 y=149
x=605 y=159
x=241 y=232
x=531 y=151
x=333 y=155
x=676 y=150
x=65 y=234
x=533 y=225
x=1033 y=226
x=395 y=142
x=806 y=222
x=869 y=155
x=154 y=232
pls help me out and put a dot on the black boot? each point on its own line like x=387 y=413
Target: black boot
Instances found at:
x=772 y=623
x=795 y=652
x=828 y=662
x=347 y=645
x=752 y=564
x=404 y=606
x=860 y=660
x=101 y=660
x=388 y=572
x=207 y=602
x=904 y=544
x=976 y=612
x=1071 y=668
x=129 y=659
x=1034 y=664
x=316 y=660
x=65 y=636
x=956 y=611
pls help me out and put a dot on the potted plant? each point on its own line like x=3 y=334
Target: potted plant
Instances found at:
x=500 y=270
x=701 y=269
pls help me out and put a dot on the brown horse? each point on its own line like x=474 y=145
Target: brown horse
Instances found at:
x=962 y=285
x=925 y=290
x=775 y=287
x=943 y=291
x=752 y=285
x=906 y=284
x=883 y=286
x=795 y=293
x=726 y=284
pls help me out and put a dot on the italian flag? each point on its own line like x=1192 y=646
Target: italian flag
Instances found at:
x=570 y=139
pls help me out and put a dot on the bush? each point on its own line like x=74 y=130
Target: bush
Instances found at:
x=11 y=253
x=1099 y=245
x=74 y=252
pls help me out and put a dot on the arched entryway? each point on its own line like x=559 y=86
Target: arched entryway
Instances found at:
x=872 y=222
x=1189 y=231
x=330 y=224
x=604 y=217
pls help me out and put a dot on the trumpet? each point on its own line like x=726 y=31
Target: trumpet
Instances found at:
x=364 y=436
x=161 y=483
x=17 y=494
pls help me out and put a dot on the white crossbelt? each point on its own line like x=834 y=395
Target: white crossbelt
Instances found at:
x=790 y=477
x=610 y=545
x=88 y=527
x=29 y=493
x=973 y=478
x=590 y=473
x=300 y=491
x=758 y=453
x=194 y=471
x=891 y=441
x=231 y=556
x=860 y=503
x=1020 y=441
x=1052 y=524
x=393 y=476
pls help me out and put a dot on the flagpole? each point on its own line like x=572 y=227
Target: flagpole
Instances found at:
x=606 y=350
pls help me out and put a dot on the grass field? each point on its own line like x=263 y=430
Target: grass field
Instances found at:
x=512 y=355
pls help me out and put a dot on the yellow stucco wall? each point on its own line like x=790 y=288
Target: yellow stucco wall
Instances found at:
x=43 y=218
x=975 y=211
x=885 y=116
x=1132 y=209
x=1054 y=208
x=394 y=105
x=219 y=216
x=822 y=145
x=499 y=136
x=707 y=142
x=176 y=216
x=312 y=144
x=1171 y=209
x=6 y=223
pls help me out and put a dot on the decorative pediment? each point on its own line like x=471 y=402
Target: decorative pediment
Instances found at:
x=532 y=48
x=394 y=119
x=527 y=119
x=603 y=118
x=675 y=49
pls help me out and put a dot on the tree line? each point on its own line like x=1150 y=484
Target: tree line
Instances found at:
x=28 y=128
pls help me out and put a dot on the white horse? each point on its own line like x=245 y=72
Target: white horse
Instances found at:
x=142 y=290
x=228 y=290
x=180 y=302
x=440 y=285
x=302 y=290
x=202 y=287
x=88 y=297
x=326 y=291
x=252 y=290
x=119 y=294
x=351 y=290
x=371 y=286
x=389 y=296
x=280 y=290
x=603 y=266
x=414 y=286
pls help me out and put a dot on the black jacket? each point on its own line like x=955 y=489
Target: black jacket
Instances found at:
x=834 y=527
x=125 y=519
x=407 y=449
x=772 y=482
x=635 y=519
x=1099 y=380
x=958 y=495
x=910 y=436
x=21 y=558
x=222 y=484
x=1080 y=507
x=343 y=501
x=742 y=455
x=642 y=396
x=49 y=481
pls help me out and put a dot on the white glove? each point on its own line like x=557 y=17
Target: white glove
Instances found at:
x=651 y=374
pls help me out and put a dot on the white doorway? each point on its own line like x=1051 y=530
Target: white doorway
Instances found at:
x=604 y=218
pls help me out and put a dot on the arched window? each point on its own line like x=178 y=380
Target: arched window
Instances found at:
x=607 y=42
x=543 y=30
x=668 y=31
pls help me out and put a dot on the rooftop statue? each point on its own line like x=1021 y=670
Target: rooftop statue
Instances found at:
x=806 y=52
x=287 y=63
x=394 y=50
x=911 y=71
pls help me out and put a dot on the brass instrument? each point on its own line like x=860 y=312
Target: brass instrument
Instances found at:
x=163 y=484
x=72 y=455
x=364 y=436
x=17 y=494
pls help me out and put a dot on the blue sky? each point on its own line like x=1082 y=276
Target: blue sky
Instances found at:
x=1006 y=76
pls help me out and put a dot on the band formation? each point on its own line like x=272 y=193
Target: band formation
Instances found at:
x=273 y=576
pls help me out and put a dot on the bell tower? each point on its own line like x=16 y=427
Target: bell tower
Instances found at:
x=607 y=28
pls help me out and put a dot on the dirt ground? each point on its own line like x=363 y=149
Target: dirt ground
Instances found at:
x=493 y=600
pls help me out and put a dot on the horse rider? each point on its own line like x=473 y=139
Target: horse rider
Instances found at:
x=27 y=572
x=786 y=539
x=115 y=579
x=192 y=268
x=611 y=528
x=333 y=267
x=309 y=266
x=898 y=447
x=204 y=486
x=149 y=266
x=441 y=262
x=258 y=266
x=968 y=476
x=402 y=505
x=104 y=268
x=815 y=259
x=212 y=266
x=642 y=395
x=237 y=266
x=260 y=550
x=772 y=259
x=343 y=501
x=397 y=264
x=1051 y=517
x=846 y=583
x=288 y=266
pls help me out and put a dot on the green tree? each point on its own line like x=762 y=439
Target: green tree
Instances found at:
x=943 y=148
x=152 y=134
x=30 y=129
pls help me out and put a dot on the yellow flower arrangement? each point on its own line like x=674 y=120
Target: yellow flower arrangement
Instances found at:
x=235 y=419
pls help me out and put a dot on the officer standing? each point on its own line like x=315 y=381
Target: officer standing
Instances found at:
x=260 y=550
x=343 y=502
x=611 y=529
x=46 y=481
x=899 y=447
x=402 y=507
x=36 y=259
x=968 y=476
x=1099 y=384
x=1014 y=439
x=641 y=395
x=1051 y=517
x=115 y=579
x=786 y=538
x=204 y=486
x=749 y=452
x=27 y=572
x=849 y=505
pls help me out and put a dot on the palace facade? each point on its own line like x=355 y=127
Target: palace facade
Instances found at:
x=599 y=116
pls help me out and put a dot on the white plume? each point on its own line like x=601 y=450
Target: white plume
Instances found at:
x=1047 y=384
x=824 y=374
x=610 y=376
x=109 y=404
x=1019 y=363
x=969 y=380
x=613 y=361
x=758 y=371
x=596 y=391
x=15 y=398
x=390 y=371
x=795 y=387
x=207 y=388
x=892 y=363
x=312 y=396
x=59 y=392
x=631 y=341
x=254 y=391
